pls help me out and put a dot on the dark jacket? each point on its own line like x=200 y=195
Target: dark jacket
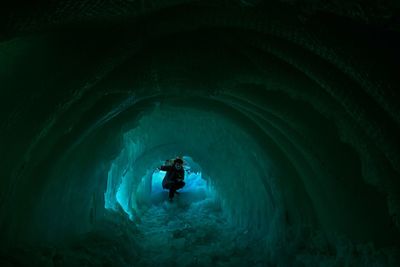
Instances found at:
x=172 y=175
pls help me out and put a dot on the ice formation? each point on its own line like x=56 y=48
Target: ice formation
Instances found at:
x=286 y=113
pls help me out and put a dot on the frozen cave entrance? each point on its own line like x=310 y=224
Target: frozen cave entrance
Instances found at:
x=125 y=192
x=220 y=217
x=191 y=230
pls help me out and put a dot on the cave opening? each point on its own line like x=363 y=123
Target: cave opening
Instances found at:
x=225 y=210
x=196 y=187
x=286 y=112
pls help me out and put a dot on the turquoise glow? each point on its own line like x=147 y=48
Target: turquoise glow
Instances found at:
x=123 y=196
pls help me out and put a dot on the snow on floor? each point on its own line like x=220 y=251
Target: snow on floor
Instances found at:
x=184 y=233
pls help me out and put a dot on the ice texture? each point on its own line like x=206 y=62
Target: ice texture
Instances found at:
x=229 y=160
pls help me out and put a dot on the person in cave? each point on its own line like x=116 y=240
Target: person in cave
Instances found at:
x=174 y=177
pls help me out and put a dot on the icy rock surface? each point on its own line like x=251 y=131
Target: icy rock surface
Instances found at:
x=194 y=234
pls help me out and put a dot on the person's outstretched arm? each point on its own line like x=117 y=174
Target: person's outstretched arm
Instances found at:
x=165 y=168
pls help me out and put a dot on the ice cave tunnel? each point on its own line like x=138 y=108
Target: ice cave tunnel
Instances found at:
x=286 y=113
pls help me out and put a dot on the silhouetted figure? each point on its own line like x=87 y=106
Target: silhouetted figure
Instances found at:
x=173 y=179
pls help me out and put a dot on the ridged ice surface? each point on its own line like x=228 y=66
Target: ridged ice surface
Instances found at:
x=194 y=234
x=286 y=113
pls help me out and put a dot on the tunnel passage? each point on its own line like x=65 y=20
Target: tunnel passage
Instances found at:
x=289 y=109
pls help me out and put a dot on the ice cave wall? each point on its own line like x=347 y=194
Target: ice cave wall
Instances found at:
x=316 y=96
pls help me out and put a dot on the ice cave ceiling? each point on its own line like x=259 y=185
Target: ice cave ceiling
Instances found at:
x=291 y=108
